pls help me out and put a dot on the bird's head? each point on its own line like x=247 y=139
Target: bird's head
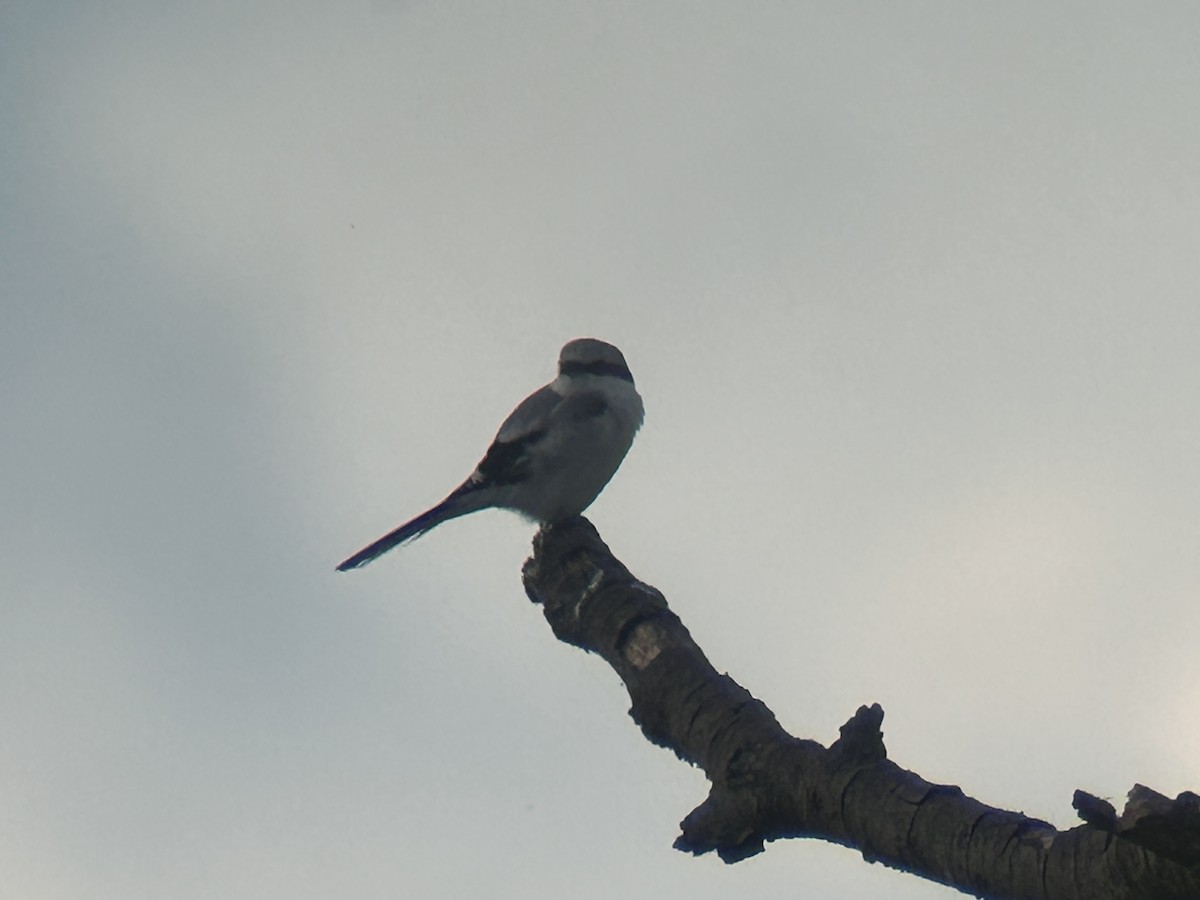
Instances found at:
x=588 y=356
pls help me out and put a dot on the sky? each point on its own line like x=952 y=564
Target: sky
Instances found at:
x=911 y=292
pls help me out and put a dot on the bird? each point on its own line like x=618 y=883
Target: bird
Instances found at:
x=554 y=453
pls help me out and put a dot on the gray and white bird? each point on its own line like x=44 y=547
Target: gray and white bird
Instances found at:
x=554 y=453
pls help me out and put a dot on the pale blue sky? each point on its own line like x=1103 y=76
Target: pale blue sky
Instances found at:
x=911 y=292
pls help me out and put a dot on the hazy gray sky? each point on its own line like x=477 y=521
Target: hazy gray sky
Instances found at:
x=912 y=293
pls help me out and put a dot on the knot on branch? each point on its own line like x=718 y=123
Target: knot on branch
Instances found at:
x=724 y=823
x=861 y=738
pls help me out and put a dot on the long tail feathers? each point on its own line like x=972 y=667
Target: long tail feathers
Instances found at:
x=449 y=508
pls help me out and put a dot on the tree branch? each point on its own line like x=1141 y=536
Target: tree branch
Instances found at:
x=768 y=785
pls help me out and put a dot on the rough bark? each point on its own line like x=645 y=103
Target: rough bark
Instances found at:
x=767 y=784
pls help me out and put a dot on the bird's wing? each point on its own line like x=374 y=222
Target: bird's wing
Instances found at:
x=507 y=461
x=536 y=426
x=532 y=414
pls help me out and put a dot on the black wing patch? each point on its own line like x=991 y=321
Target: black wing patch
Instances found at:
x=506 y=462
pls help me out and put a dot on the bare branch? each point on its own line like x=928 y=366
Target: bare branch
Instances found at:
x=768 y=785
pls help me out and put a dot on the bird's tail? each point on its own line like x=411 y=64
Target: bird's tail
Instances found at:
x=450 y=508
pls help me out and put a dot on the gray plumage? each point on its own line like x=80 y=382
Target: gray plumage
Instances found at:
x=554 y=453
